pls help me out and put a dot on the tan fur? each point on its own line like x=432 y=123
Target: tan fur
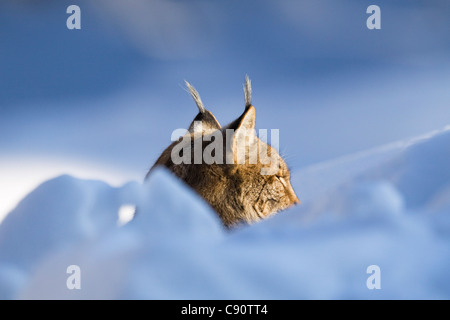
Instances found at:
x=237 y=192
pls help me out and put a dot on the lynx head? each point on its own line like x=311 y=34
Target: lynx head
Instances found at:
x=242 y=177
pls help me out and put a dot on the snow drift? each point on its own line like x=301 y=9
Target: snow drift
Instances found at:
x=387 y=207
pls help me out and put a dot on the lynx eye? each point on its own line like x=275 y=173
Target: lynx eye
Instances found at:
x=282 y=180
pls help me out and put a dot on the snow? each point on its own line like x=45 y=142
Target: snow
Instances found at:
x=19 y=176
x=386 y=207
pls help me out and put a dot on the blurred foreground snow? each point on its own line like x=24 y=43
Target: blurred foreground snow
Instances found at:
x=387 y=207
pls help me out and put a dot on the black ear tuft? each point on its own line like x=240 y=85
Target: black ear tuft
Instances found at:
x=195 y=96
x=248 y=91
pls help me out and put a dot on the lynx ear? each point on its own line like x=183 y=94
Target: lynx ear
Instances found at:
x=242 y=138
x=205 y=120
x=246 y=121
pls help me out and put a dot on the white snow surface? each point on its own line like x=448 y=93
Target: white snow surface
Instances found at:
x=387 y=207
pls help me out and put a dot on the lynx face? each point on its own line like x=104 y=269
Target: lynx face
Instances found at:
x=244 y=179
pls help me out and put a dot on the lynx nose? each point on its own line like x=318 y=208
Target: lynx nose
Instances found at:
x=293 y=197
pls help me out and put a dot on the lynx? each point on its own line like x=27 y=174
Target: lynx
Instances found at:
x=246 y=180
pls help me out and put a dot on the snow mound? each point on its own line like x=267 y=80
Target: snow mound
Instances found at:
x=388 y=207
x=66 y=212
